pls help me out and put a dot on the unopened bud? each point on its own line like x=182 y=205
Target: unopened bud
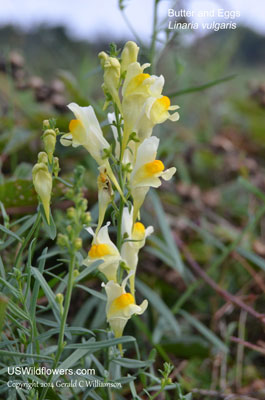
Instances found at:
x=71 y=212
x=56 y=167
x=62 y=240
x=59 y=298
x=76 y=273
x=46 y=124
x=129 y=55
x=103 y=58
x=42 y=157
x=49 y=139
x=78 y=243
x=87 y=218
x=83 y=204
x=112 y=73
x=69 y=229
x=42 y=181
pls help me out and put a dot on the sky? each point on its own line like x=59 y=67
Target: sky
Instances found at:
x=88 y=19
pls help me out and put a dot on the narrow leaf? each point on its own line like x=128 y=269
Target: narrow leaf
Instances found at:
x=160 y=306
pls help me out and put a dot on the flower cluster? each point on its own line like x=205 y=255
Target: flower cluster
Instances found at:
x=130 y=169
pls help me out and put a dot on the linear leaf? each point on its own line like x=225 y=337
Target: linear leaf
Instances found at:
x=2 y=269
x=160 y=306
x=48 y=292
x=73 y=358
x=128 y=363
x=101 y=344
x=166 y=231
x=10 y=233
x=99 y=295
x=204 y=331
x=201 y=87
x=17 y=354
x=20 y=231
x=249 y=255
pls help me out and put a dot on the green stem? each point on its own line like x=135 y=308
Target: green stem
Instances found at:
x=154 y=35
x=121 y=207
x=118 y=125
x=157 y=393
x=63 y=320
x=121 y=179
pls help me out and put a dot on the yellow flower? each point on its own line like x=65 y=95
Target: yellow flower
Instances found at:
x=138 y=87
x=42 y=181
x=85 y=131
x=147 y=172
x=155 y=111
x=129 y=55
x=121 y=306
x=136 y=235
x=104 y=249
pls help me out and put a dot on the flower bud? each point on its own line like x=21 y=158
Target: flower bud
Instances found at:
x=87 y=218
x=103 y=58
x=129 y=55
x=42 y=157
x=112 y=72
x=78 y=244
x=59 y=298
x=71 y=213
x=83 y=204
x=62 y=240
x=42 y=181
x=56 y=167
x=46 y=124
x=76 y=273
x=49 y=139
x=69 y=229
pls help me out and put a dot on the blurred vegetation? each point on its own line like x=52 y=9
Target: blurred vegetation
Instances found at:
x=215 y=206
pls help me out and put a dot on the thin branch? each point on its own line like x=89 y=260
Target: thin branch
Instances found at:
x=248 y=344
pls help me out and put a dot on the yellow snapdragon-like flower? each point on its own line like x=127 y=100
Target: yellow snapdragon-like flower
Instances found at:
x=136 y=234
x=143 y=104
x=155 y=111
x=104 y=249
x=85 y=131
x=42 y=181
x=135 y=91
x=147 y=172
x=121 y=306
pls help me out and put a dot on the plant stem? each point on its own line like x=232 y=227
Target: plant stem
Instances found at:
x=121 y=179
x=154 y=35
x=63 y=320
